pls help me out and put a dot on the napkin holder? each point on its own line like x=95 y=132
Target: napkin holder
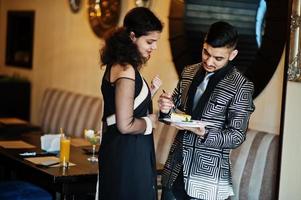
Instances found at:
x=50 y=142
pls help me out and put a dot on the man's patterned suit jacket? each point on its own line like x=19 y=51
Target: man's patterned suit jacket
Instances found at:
x=227 y=102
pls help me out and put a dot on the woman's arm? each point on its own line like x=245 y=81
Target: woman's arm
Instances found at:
x=124 y=80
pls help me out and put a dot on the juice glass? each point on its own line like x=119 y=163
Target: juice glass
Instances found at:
x=64 y=151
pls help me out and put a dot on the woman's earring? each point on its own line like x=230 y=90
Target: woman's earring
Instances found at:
x=132 y=36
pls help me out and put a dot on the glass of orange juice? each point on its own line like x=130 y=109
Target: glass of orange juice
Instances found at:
x=64 y=150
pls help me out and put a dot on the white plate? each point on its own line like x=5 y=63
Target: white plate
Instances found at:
x=192 y=123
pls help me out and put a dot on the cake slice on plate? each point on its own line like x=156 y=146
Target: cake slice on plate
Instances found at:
x=180 y=117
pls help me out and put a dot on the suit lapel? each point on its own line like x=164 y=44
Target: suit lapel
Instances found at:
x=214 y=80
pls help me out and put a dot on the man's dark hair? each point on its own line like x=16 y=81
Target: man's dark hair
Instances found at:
x=222 y=34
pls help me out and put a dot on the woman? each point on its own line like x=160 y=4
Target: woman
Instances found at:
x=127 y=168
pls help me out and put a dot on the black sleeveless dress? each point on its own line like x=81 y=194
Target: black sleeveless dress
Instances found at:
x=127 y=166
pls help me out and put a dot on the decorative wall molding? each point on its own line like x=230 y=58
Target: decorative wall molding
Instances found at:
x=294 y=67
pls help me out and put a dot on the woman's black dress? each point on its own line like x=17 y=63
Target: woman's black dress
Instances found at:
x=126 y=161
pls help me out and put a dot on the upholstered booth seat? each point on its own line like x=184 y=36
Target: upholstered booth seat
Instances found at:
x=71 y=111
x=255 y=167
x=20 y=190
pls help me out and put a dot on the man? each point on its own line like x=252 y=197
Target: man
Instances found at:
x=212 y=91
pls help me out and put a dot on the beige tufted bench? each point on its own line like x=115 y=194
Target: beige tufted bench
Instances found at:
x=71 y=111
x=255 y=167
x=254 y=163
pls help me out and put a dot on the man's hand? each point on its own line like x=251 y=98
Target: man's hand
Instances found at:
x=165 y=102
x=200 y=131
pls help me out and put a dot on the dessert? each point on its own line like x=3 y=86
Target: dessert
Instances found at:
x=180 y=117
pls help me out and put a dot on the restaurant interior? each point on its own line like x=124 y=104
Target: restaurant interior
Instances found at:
x=50 y=78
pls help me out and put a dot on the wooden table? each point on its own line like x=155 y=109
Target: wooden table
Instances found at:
x=71 y=183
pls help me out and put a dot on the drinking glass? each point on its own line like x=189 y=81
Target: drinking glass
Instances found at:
x=64 y=151
x=94 y=139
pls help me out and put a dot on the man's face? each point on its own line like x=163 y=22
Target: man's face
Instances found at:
x=216 y=58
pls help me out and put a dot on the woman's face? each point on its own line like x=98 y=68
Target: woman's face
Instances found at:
x=146 y=43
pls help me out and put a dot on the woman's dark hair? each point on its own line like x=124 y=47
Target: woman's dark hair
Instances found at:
x=119 y=48
x=140 y=21
x=222 y=34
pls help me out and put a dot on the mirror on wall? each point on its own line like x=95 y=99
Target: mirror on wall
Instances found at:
x=262 y=25
x=103 y=15
x=19 y=47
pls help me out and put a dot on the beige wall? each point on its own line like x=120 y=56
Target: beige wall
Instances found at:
x=268 y=104
x=65 y=50
x=66 y=56
x=290 y=179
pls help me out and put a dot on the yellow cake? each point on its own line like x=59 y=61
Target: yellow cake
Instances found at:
x=180 y=117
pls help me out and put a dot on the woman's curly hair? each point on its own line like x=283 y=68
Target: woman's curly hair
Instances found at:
x=119 y=48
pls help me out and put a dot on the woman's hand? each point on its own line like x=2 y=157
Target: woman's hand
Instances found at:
x=165 y=102
x=155 y=85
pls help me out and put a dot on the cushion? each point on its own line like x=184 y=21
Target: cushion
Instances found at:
x=255 y=167
x=71 y=111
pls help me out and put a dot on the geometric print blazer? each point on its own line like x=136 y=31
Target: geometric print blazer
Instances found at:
x=227 y=102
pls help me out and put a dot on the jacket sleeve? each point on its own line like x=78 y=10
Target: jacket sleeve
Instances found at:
x=176 y=98
x=177 y=93
x=239 y=110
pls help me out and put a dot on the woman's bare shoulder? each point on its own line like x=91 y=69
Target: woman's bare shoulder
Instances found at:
x=122 y=71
